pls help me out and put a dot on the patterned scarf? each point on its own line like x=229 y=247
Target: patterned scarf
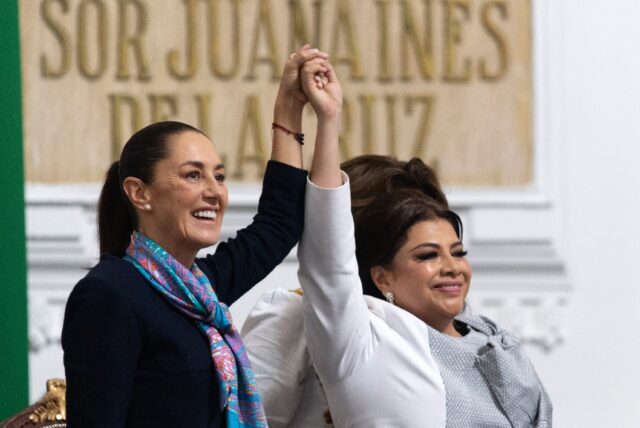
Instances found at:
x=192 y=294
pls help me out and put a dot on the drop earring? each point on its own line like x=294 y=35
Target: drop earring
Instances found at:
x=389 y=296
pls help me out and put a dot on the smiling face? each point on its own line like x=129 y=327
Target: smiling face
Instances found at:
x=429 y=275
x=187 y=197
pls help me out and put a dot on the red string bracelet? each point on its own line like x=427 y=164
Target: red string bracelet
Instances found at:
x=298 y=136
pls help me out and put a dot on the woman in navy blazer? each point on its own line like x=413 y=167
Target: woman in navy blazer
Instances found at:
x=132 y=359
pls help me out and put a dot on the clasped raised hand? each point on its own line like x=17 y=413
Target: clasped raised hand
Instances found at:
x=290 y=85
x=322 y=87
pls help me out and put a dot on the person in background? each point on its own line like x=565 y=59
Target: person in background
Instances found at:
x=148 y=339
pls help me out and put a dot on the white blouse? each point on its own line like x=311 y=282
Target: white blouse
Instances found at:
x=274 y=338
x=372 y=358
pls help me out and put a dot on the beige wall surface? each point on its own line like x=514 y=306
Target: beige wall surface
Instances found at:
x=447 y=80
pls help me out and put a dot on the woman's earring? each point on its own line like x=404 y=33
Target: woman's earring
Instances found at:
x=389 y=296
x=147 y=206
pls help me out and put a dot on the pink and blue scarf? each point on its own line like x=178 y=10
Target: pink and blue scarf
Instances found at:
x=190 y=291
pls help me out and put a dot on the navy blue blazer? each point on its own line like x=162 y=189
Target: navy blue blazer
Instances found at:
x=133 y=360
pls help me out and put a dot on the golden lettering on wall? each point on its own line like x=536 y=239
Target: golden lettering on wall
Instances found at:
x=447 y=80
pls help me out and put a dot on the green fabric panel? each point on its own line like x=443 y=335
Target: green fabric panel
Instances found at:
x=14 y=382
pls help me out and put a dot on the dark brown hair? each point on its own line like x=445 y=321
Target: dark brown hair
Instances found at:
x=372 y=175
x=116 y=216
x=381 y=229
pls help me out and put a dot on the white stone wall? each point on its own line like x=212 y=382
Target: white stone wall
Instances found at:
x=556 y=262
x=594 y=377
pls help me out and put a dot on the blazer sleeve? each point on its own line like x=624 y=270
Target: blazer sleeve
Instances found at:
x=101 y=339
x=241 y=262
x=336 y=317
x=275 y=342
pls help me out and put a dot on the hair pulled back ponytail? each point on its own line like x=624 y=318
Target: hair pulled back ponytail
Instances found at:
x=116 y=215
x=115 y=220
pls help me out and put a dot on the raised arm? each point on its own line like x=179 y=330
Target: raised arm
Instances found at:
x=321 y=85
x=336 y=316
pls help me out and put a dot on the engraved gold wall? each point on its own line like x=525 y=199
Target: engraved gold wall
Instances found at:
x=446 y=80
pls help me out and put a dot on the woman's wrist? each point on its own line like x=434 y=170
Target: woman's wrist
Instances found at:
x=289 y=120
x=329 y=119
x=288 y=113
x=329 y=127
